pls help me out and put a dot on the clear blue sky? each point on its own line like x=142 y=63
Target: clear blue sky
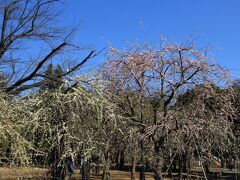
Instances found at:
x=215 y=22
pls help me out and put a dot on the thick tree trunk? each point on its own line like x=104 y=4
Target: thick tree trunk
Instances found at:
x=106 y=170
x=106 y=173
x=158 y=146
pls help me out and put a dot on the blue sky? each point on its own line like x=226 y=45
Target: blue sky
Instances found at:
x=214 y=23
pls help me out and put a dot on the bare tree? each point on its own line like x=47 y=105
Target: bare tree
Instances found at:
x=29 y=39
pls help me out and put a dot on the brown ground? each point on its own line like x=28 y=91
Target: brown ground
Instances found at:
x=35 y=173
x=15 y=173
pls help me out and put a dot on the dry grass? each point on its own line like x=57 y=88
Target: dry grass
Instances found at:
x=14 y=173
x=35 y=173
x=17 y=173
x=122 y=175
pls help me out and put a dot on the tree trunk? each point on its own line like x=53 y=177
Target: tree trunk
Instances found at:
x=222 y=163
x=142 y=174
x=184 y=163
x=142 y=169
x=118 y=160
x=85 y=170
x=206 y=167
x=158 y=169
x=55 y=159
x=122 y=159
x=9 y=150
x=56 y=154
x=174 y=166
x=133 y=170
x=158 y=146
x=58 y=172
x=106 y=173
x=106 y=170
x=180 y=167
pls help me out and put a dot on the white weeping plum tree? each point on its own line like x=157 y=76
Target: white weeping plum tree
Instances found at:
x=80 y=120
x=157 y=78
x=13 y=120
